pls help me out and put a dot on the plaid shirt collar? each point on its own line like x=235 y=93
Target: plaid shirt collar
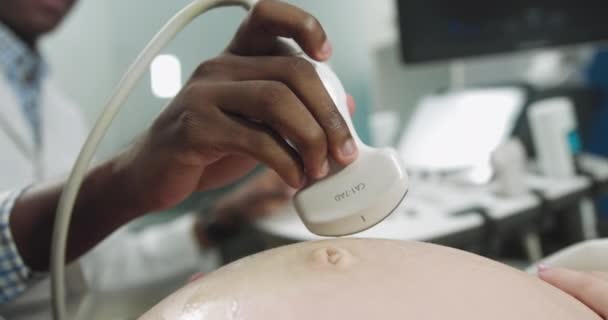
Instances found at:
x=20 y=63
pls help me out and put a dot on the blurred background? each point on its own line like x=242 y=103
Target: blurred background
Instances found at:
x=104 y=38
x=499 y=111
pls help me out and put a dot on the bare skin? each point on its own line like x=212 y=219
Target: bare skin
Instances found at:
x=360 y=279
x=590 y=288
x=30 y=19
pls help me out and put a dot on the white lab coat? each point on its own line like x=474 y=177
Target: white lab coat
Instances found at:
x=124 y=260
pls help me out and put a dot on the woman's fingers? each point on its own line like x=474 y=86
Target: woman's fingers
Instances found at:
x=589 y=288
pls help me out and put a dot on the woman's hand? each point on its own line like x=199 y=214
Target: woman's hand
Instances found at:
x=237 y=110
x=591 y=288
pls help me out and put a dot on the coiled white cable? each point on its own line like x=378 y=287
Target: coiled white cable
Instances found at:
x=124 y=88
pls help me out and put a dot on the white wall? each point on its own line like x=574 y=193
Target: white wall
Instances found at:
x=101 y=38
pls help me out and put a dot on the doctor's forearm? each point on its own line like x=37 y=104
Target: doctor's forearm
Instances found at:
x=101 y=208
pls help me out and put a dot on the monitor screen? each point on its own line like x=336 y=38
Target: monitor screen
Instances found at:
x=453 y=29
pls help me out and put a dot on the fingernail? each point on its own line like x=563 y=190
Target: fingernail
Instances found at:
x=348 y=149
x=326 y=50
x=543 y=267
x=324 y=170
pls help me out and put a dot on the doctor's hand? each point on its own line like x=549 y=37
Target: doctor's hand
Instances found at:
x=591 y=288
x=255 y=199
x=258 y=197
x=237 y=110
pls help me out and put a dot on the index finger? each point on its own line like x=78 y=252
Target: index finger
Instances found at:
x=586 y=287
x=270 y=19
